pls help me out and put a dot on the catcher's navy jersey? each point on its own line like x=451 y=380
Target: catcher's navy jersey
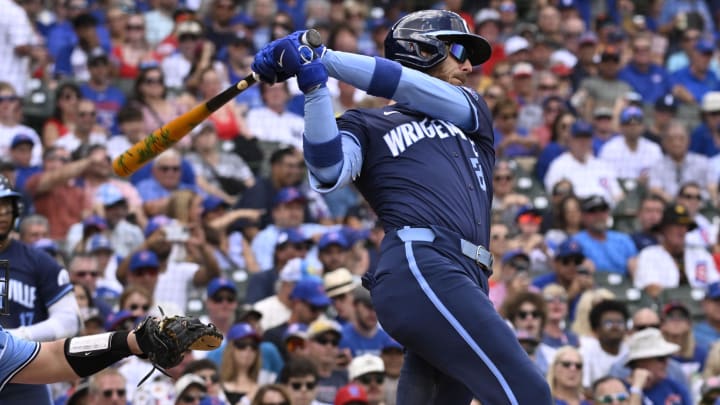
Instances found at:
x=421 y=171
x=36 y=282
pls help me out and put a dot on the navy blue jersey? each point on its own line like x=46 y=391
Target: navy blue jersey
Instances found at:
x=420 y=171
x=36 y=282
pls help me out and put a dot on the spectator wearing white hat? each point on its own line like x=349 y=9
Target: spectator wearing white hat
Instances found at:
x=276 y=308
x=368 y=371
x=338 y=286
x=648 y=350
x=190 y=390
x=517 y=49
x=702 y=139
x=323 y=340
x=488 y=26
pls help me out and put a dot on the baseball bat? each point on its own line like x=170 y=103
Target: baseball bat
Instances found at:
x=166 y=136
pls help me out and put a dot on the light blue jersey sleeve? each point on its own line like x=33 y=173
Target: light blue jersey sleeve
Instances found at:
x=15 y=354
x=334 y=159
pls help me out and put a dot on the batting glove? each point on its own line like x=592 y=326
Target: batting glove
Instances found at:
x=312 y=76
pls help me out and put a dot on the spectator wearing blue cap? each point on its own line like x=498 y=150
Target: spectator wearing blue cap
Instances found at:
x=334 y=251
x=308 y=302
x=631 y=155
x=648 y=79
x=707 y=332
x=221 y=303
x=101 y=248
x=287 y=213
x=587 y=174
x=691 y=83
x=572 y=270
x=241 y=371
x=291 y=247
x=21 y=149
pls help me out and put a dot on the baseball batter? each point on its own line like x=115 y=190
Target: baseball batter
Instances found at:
x=425 y=166
x=41 y=304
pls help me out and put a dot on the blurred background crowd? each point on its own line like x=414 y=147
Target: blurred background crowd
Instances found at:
x=605 y=213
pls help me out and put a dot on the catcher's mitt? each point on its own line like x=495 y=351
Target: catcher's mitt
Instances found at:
x=165 y=341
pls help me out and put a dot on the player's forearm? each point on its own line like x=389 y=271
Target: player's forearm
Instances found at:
x=322 y=145
x=417 y=90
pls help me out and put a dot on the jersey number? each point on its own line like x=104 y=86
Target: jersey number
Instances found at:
x=479 y=173
x=26 y=318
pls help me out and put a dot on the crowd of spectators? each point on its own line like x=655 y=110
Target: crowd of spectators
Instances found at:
x=605 y=210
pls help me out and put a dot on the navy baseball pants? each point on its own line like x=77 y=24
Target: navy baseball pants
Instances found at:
x=433 y=300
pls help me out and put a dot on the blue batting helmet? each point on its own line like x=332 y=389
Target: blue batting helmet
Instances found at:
x=419 y=40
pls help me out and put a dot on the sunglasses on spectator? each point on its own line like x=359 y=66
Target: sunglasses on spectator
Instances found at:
x=498 y=236
x=135 y=307
x=87 y=113
x=83 y=274
x=502 y=178
x=367 y=379
x=153 y=80
x=189 y=399
x=120 y=392
x=612 y=398
x=576 y=260
x=275 y=403
x=643 y=327
x=9 y=98
x=307 y=385
x=244 y=344
x=147 y=271
x=547 y=87
x=166 y=169
x=571 y=364
x=326 y=340
x=511 y=116
x=528 y=314
x=213 y=378
x=222 y=297
x=676 y=316
x=688 y=196
x=134 y=27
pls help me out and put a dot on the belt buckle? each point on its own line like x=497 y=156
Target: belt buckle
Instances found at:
x=478 y=257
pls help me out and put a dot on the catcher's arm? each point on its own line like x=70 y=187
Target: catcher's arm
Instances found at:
x=51 y=365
